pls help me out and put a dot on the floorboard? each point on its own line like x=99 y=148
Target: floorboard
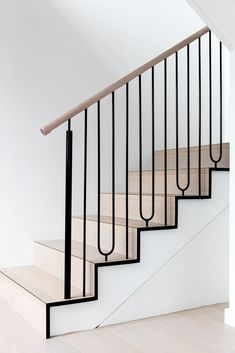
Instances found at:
x=194 y=331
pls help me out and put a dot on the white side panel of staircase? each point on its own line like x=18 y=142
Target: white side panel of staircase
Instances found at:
x=197 y=276
x=118 y=283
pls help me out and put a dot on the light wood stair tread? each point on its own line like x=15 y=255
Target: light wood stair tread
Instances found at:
x=41 y=284
x=195 y=147
x=144 y=194
x=132 y=223
x=206 y=161
x=92 y=253
x=157 y=172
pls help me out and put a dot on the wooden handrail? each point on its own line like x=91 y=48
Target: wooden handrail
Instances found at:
x=105 y=92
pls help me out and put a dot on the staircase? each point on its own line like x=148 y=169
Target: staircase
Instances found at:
x=55 y=293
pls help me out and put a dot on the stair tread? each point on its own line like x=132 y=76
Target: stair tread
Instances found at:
x=206 y=161
x=160 y=194
x=41 y=284
x=92 y=252
x=132 y=223
x=170 y=171
x=195 y=147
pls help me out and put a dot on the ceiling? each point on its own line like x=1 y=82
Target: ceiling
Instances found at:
x=219 y=15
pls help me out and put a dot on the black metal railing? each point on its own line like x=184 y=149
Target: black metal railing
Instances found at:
x=127 y=170
x=68 y=212
x=203 y=60
x=216 y=161
x=199 y=116
x=182 y=189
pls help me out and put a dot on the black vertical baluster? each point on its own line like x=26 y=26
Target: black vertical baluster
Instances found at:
x=210 y=98
x=200 y=115
x=147 y=220
x=153 y=146
x=107 y=253
x=127 y=167
x=216 y=161
x=98 y=176
x=177 y=118
x=140 y=147
x=85 y=204
x=68 y=212
x=221 y=103
x=183 y=189
x=165 y=141
x=113 y=171
x=188 y=118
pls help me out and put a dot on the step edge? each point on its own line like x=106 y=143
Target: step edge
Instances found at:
x=80 y=218
x=93 y=262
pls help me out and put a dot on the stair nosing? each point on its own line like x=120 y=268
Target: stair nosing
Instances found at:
x=32 y=290
x=94 y=262
x=195 y=147
x=143 y=194
x=181 y=170
x=119 y=225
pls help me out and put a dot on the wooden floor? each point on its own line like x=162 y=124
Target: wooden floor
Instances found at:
x=194 y=331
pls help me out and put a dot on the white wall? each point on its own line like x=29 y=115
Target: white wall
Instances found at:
x=230 y=313
x=45 y=68
x=54 y=55
x=124 y=35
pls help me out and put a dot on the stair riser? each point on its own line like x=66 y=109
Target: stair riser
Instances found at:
x=106 y=236
x=171 y=182
x=52 y=261
x=24 y=303
x=134 y=211
x=205 y=157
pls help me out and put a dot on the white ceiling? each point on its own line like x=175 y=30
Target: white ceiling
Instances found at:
x=219 y=15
